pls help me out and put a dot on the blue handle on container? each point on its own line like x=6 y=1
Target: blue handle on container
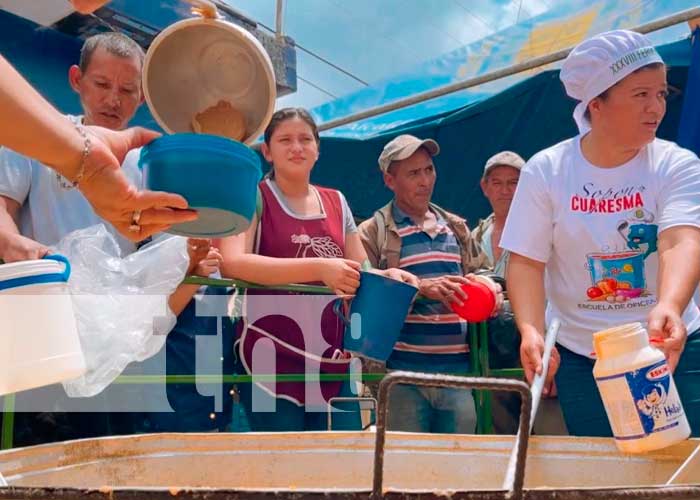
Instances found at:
x=42 y=278
x=60 y=258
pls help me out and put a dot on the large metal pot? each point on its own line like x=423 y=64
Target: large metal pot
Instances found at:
x=235 y=465
x=345 y=464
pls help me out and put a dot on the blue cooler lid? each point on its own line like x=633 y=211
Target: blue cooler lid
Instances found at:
x=50 y=269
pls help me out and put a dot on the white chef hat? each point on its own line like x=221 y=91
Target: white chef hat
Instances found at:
x=598 y=63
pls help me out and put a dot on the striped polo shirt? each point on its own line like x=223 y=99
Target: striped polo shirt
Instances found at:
x=433 y=338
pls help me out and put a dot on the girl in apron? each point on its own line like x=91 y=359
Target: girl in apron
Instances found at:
x=301 y=234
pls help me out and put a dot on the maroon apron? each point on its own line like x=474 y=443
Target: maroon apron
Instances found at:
x=289 y=332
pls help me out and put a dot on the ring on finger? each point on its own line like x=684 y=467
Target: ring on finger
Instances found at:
x=135 y=219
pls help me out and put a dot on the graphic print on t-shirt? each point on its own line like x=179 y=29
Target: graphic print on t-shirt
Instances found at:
x=320 y=246
x=618 y=278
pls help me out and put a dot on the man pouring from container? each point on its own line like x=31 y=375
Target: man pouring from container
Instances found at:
x=613 y=216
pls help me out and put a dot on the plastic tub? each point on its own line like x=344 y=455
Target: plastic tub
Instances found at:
x=195 y=63
x=39 y=342
x=217 y=176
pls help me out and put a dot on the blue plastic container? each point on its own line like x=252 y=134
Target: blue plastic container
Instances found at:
x=377 y=314
x=217 y=176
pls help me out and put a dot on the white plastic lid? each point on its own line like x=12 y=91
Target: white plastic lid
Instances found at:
x=30 y=268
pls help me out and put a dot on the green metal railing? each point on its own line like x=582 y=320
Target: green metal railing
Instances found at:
x=8 y=422
x=479 y=360
x=478 y=356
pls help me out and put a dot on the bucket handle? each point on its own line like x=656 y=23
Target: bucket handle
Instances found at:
x=515 y=488
x=337 y=304
x=62 y=259
x=43 y=278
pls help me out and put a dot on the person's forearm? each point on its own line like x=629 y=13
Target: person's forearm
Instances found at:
x=33 y=127
x=179 y=299
x=7 y=223
x=270 y=270
x=525 y=282
x=368 y=241
x=8 y=226
x=355 y=251
x=88 y=6
x=679 y=266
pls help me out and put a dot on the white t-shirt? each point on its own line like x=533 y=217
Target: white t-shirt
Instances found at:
x=48 y=211
x=596 y=229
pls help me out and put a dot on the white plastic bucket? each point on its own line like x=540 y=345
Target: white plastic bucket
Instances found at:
x=39 y=342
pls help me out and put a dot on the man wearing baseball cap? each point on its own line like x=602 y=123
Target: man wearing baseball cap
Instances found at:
x=498 y=183
x=414 y=234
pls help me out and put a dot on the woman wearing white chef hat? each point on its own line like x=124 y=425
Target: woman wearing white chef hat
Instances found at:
x=613 y=216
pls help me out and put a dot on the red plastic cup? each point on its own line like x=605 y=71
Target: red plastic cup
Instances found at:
x=479 y=304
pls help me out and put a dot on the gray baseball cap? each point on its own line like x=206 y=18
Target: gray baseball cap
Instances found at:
x=504 y=159
x=402 y=147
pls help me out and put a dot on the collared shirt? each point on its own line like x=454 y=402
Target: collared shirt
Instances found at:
x=482 y=234
x=433 y=338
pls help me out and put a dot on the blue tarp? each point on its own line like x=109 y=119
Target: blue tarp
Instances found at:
x=527 y=117
x=560 y=27
x=689 y=127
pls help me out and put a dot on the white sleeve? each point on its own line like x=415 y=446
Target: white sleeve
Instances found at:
x=679 y=196
x=348 y=220
x=131 y=168
x=15 y=175
x=529 y=226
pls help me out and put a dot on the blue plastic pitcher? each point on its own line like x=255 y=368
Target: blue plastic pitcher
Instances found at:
x=377 y=314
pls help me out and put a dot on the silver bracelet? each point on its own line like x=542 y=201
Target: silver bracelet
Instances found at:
x=87 y=147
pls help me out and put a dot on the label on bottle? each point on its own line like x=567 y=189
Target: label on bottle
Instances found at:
x=641 y=402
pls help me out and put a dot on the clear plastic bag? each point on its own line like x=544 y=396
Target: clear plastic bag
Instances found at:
x=120 y=303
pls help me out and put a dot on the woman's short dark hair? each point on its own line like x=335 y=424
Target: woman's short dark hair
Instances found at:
x=604 y=95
